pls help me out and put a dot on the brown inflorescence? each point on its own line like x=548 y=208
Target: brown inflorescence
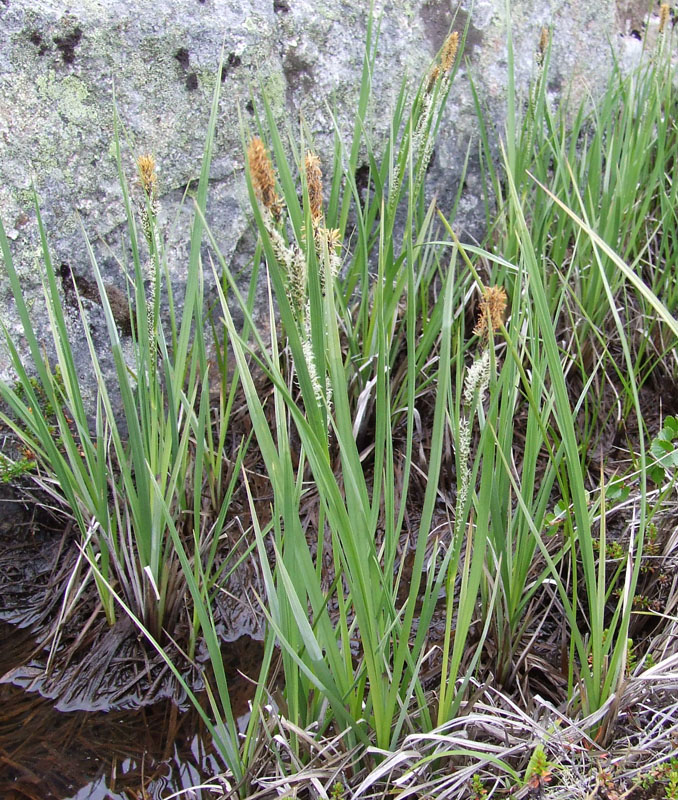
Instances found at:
x=449 y=52
x=263 y=179
x=491 y=314
x=148 y=205
x=147 y=175
x=663 y=16
x=314 y=181
x=544 y=37
x=432 y=78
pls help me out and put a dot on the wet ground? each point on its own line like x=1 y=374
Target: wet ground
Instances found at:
x=145 y=753
x=112 y=730
x=53 y=746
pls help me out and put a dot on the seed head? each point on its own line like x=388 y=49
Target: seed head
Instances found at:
x=314 y=181
x=491 y=314
x=477 y=377
x=147 y=175
x=333 y=238
x=544 y=38
x=263 y=179
x=329 y=238
x=149 y=205
x=449 y=52
x=663 y=16
x=432 y=78
x=296 y=289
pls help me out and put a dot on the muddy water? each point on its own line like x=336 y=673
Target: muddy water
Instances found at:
x=144 y=754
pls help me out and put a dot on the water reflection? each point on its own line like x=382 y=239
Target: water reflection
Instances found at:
x=144 y=754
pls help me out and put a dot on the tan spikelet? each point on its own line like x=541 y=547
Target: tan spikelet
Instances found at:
x=263 y=179
x=147 y=175
x=333 y=238
x=491 y=313
x=432 y=78
x=663 y=16
x=449 y=52
x=314 y=181
x=544 y=38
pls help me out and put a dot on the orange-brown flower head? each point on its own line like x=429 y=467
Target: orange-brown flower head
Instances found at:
x=263 y=179
x=544 y=39
x=663 y=16
x=314 y=182
x=449 y=52
x=491 y=313
x=432 y=78
x=147 y=175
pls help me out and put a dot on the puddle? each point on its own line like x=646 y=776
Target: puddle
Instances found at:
x=145 y=754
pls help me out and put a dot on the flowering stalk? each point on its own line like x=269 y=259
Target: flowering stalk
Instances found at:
x=490 y=319
x=434 y=95
x=535 y=88
x=263 y=178
x=326 y=242
x=662 y=31
x=491 y=312
x=664 y=13
x=148 y=180
x=438 y=86
x=148 y=210
x=292 y=258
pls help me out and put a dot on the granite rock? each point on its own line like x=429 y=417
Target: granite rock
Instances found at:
x=65 y=65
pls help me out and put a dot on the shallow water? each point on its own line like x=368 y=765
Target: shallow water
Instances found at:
x=143 y=754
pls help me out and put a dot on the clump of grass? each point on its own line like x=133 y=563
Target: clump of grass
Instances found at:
x=437 y=521
x=355 y=662
x=147 y=487
x=557 y=240
x=517 y=452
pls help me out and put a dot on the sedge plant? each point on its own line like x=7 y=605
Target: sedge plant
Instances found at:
x=352 y=625
x=148 y=487
x=123 y=474
x=416 y=465
x=581 y=257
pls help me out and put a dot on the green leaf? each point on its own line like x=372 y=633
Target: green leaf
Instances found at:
x=665 y=449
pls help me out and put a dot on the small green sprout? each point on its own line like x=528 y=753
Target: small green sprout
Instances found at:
x=479 y=792
x=539 y=769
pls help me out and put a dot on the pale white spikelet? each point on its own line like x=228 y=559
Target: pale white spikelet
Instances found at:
x=477 y=377
x=150 y=302
x=422 y=142
x=335 y=264
x=327 y=241
x=309 y=357
x=464 y=452
x=296 y=287
x=328 y=391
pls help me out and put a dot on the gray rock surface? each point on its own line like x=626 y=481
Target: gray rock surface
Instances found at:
x=63 y=64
